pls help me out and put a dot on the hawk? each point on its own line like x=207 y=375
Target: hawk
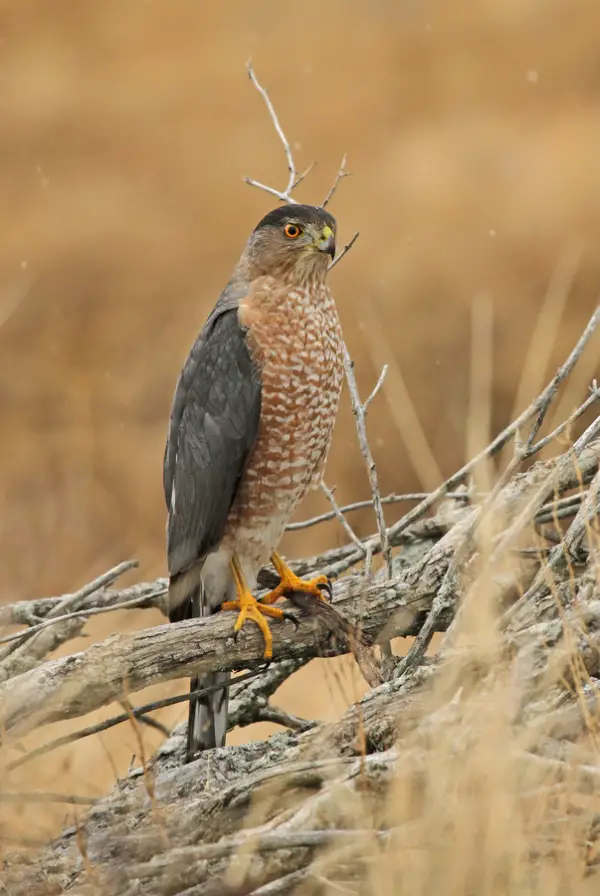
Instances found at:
x=250 y=428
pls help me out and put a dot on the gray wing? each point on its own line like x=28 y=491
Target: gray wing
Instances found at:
x=213 y=427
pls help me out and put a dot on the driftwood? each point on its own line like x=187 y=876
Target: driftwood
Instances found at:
x=369 y=803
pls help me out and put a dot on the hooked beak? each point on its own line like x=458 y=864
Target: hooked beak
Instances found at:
x=327 y=241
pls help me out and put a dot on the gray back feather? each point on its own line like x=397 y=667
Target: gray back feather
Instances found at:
x=213 y=428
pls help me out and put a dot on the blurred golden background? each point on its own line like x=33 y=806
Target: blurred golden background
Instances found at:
x=126 y=128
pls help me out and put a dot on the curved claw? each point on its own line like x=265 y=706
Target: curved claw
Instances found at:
x=327 y=587
x=291 y=618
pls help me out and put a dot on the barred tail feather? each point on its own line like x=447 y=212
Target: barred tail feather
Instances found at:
x=207 y=724
x=207 y=719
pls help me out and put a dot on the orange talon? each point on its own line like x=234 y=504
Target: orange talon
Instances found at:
x=290 y=582
x=249 y=608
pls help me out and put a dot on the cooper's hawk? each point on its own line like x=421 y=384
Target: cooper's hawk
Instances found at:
x=250 y=428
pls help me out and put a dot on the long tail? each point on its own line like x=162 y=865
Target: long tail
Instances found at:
x=207 y=720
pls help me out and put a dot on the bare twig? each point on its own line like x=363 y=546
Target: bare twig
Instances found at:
x=542 y=401
x=136 y=712
x=278 y=716
x=352 y=557
x=558 y=558
x=293 y=180
x=31 y=646
x=441 y=602
x=362 y=505
x=540 y=496
x=376 y=388
x=154 y=723
x=248 y=695
x=337 y=513
x=359 y=411
x=303 y=176
x=534 y=447
x=134 y=603
x=563 y=508
x=342 y=173
x=31 y=612
x=58 y=612
x=345 y=250
x=266 y=189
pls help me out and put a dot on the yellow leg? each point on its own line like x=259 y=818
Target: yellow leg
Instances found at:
x=291 y=582
x=250 y=608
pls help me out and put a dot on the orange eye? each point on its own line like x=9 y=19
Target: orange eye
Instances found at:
x=292 y=231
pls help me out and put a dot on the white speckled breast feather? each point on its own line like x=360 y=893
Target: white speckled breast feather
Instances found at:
x=296 y=338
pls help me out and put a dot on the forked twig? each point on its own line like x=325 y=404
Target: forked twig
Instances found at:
x=359 y=409
x=337 y=513
x=542 y=401
x=92 y=611
x=63 y=608
x=535 y=447
x=293 y=179
x=362 y=505
x=342 y=173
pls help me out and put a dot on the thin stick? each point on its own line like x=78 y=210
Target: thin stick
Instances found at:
x=135 y=711
x=304 y=175
x=501 y=440
x=346 y=249
x=352 y=557
x=442 y=600
x=283 y=196
x=537 y=446
x=340 y=516
x=362 y=505
x=538 y=354
x=284 y=141
x=31 y=612
x=342 y=173
x=92 y=611
x=358 y=409
x=376 y=387
x=560 y=509
x=70 y=600
x=278 y=716
x=401 y=407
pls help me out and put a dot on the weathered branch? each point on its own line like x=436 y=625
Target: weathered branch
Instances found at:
x=77 y=684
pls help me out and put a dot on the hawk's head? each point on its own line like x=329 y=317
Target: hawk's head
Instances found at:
x=292 y=241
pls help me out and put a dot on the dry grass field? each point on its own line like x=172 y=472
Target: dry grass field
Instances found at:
x=472 y=131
